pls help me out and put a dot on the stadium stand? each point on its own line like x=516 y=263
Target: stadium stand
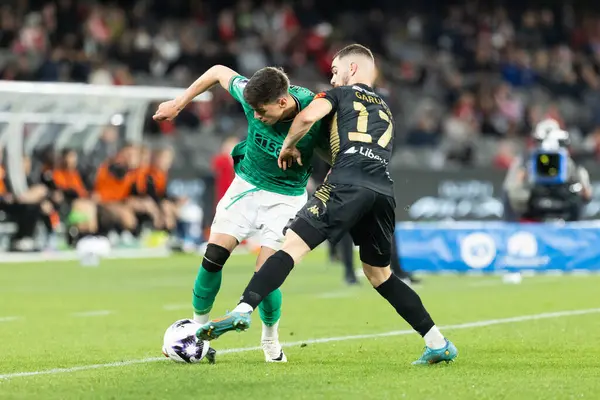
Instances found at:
x=466 y=83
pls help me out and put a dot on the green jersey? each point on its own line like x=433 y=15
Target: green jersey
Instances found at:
x=255 y=159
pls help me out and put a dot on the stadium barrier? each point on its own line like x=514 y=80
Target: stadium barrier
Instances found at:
x=499 y=247
x=467 y=195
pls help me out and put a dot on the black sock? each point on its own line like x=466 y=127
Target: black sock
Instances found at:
x=407 y=303
x=270 y=277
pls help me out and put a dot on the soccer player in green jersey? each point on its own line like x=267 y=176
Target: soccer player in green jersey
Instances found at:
x=262 y=198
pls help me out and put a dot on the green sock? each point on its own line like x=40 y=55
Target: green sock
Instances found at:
x=270 y=308
x=206 y=287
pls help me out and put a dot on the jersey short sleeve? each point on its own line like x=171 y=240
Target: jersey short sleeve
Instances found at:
x=236 y=88
x=332 y=95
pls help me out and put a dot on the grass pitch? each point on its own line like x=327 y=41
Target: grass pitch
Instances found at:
x=72 y=332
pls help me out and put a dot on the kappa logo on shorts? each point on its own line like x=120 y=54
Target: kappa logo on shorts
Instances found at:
x=314 y=210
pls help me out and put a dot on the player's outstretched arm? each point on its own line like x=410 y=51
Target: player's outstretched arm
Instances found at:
x=216 y=74
x=315 y=111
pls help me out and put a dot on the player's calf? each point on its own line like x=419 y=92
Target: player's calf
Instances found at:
x=409 y=306
x=208 y=281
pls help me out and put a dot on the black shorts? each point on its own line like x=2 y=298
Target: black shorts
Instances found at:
x=9 y=208
x=336 y=209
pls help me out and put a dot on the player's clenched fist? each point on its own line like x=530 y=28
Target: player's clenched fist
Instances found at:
x=167 y=111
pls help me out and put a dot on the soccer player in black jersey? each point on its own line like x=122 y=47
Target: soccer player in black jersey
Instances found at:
x=356 y=197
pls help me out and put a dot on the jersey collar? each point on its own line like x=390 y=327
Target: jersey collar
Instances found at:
x=364 y=86
x=298 y=105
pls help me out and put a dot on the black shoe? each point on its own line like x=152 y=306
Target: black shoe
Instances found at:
x=351 y=281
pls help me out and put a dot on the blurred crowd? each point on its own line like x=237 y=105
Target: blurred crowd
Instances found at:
x=118 y=188
x=452 y=74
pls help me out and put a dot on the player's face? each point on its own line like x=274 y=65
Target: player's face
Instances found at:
x=270 y=113
x=340 y=73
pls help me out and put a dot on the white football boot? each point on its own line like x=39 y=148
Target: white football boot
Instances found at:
x=270 y=344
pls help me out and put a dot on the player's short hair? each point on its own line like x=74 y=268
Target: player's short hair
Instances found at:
x=354 y=49
x=266 y=86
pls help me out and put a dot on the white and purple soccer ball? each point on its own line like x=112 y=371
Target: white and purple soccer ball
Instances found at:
x=180 y=343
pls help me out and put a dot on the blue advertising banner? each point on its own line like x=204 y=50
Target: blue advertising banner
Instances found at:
x=496 y=246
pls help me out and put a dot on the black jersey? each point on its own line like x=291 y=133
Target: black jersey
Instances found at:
x=362 y=129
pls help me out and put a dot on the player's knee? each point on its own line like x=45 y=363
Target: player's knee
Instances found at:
x=295 y=246
x=226 y=240
x=215 y=257
x=376 y=275
x=370 y=256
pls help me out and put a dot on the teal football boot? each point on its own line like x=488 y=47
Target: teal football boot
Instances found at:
x=233 y=321
x=447 y=353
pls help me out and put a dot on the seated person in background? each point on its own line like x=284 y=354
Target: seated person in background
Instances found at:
x=114 y=180
x=141 y=200
x=27 y=208
x=157 y=187
x=68 y=182
x=6 y=198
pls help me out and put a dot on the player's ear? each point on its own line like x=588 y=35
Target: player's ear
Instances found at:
x=282 y=102
x=353 y=68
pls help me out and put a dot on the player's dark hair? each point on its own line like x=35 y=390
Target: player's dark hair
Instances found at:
x=266 y=86
x=354 y=49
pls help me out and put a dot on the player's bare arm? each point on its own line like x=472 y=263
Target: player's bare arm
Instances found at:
x=315 y=111
x=217 y=74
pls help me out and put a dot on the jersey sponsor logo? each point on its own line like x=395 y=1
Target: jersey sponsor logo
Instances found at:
x=320 y=95
x=267 y=144
x=366 y=152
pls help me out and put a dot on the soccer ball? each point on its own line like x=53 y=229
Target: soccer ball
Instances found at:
x=181 y=345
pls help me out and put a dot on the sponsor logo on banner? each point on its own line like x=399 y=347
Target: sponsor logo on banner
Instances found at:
x=478 y=250
x=468 y=194
x=473 y=199
x=522 y=251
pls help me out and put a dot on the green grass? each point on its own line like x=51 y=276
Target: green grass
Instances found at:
x=551 y=358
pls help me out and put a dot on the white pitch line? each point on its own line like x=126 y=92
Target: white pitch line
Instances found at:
x=468 y=325
x=98 y=313
x=10 y=319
